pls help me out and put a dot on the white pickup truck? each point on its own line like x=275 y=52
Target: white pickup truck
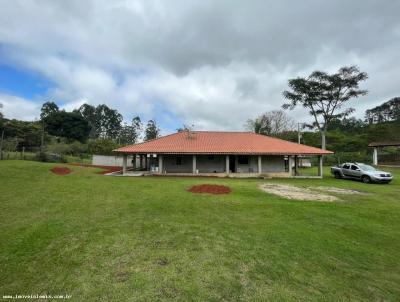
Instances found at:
x=363 y=172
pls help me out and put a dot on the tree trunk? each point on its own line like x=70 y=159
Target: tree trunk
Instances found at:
x=323 y=139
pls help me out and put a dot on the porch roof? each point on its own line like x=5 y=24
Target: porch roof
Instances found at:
x=215 y=142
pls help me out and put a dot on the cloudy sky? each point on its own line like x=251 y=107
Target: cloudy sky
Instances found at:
x=213 y=64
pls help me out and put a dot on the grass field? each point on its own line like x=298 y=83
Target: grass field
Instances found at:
x=102 y=238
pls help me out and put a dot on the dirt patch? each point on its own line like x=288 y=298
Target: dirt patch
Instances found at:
x=292 y=192
x=162 y=261
x=60 y=170
x=338 y=190
x=122 y=276
x=107 y=169
x=211 y=189
x=307 y=193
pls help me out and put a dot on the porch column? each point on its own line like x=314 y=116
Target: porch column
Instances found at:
x=134 y=162
x=227 y=164
x=290 y=160
x=295 y=164
x=160 y=163
x=236 y=164
x=124 y=163
x=259 y=164
x=194 y=164
x=320 y=167
x=146 y=162
x=375 y=157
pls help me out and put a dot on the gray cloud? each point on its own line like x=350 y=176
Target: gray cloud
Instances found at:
x=212 y=63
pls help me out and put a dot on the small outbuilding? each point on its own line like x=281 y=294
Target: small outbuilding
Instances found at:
x=217 y=153
x=379 y=146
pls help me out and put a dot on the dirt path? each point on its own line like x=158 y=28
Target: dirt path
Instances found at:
x=306 y=193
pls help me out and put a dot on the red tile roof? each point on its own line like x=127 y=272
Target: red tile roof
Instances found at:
x=213 y=142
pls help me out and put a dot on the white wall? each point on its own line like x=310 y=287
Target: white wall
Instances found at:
x=170 y=166
x=272 y=163
x=110 y=160
x=206 y=165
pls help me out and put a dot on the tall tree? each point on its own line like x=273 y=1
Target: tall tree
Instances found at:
x=152 y=131
x=108 y=121
x=89 y=113
x=271 y=123
x=324 y=95
x=137 y=128
x=27 y=133
x=386 y=112
x=127 y=135
x=130 y=134
x=48 y=108
x=185 y=128
x=70 y=125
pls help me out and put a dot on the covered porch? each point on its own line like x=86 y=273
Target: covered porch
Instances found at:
x=218 y=165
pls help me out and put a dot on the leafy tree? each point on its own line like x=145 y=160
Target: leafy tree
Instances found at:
x=70 y=125
x=104 y=121
x=27 y=133
x=108 y=121
x=185 y=128
x=386 y=112
x=48 y=108
x=152 y=131
x=127 y=135
x=137 y=128
x=271 y=123
x=325 y=94
x=351 y=125
x=89 y=114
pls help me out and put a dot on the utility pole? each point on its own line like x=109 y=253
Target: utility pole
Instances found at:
x=298 y=134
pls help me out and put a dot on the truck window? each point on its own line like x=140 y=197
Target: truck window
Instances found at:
x=353 y=167
x=346 y=166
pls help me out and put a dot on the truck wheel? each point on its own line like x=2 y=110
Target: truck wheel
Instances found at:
x=366 y=179
x=337 y=175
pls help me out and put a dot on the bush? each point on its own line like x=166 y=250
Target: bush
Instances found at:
x=342 y=157
x=102 y=146
x=50 y=157
x=76 y=148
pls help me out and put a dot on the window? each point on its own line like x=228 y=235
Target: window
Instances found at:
x=354 y=168
x=243 y=160
x=346 y=167
x=179 y=160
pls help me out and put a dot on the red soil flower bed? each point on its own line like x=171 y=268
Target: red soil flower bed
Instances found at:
x=211 y=189
x=60 y=170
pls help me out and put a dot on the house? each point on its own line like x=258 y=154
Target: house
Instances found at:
x=240 y=154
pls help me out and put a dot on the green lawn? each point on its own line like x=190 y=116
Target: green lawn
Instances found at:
x=102 y=238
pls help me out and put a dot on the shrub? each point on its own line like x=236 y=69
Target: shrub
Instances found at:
x=102 y=146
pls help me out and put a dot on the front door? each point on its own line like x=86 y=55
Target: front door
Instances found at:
x=355 y=171
x=232 y=163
